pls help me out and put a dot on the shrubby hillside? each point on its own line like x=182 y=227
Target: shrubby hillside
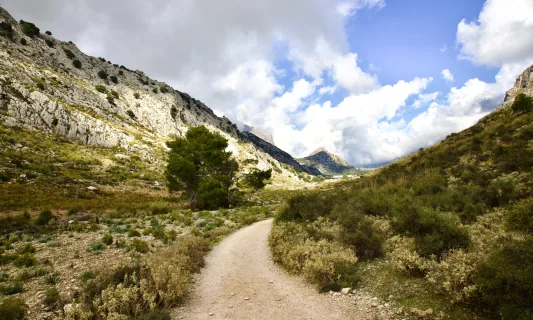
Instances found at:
x=448 y=228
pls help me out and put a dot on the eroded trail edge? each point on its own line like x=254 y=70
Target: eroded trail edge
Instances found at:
x=240 y=281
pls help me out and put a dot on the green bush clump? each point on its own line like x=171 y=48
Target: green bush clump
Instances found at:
x=110 y=99
x=133 y=233
x=88 y=275
x=96 y=247
x=520 y=216
x=49 y=43
x=69 y=54
x=51 y=297
x=13 y=309
x=102 y=74
x=29 y=29
x=100 y=88
x=113 y=79
x=51 y=278
x=107 y=239
x=23 y=41
x=154 y=90
x=139 y=246
x=505 y=281
x=257 y=178
x=522 y=103
x=27 y=248
x=114 y=94
x=76 y=64
x=155 y=315
x=435 y=232
x=6 y=30
x=173 y=112
x=11 y=289
x=44 y=217
x=48 y=33
x=136 y=95
x=25 y=261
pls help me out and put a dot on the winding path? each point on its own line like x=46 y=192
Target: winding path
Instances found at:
x=240 y=281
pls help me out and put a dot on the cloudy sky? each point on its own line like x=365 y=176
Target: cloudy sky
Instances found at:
x=371 y=80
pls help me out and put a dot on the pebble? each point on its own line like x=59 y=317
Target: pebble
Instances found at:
x=246 y=298
x=211 y=314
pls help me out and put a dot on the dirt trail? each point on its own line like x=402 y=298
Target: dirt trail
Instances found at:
x=240 y=281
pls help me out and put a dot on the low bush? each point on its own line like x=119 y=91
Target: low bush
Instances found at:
x=131 y=114
x=139 y=246
x=154 y=90
x=113 y=79
x=110 y=99
x=136 y=95
x=44 y=217
x=505 y=281
x=52 y=278
x=114 y=94
x=133 y=233
x=107 y=239
x=48 y=33
x=69 y=54
x=102 y=74
x=50 y=43
x=25 y=261
x=88 y=275
x=23 y=41
x=77 y=64
x=522 y=103
x=520 y=216
x=13 y=309
x=6 y=30
x=11 y=289
x=51 y=297
x=27 y=248
x=100 y=88
x=29 y=29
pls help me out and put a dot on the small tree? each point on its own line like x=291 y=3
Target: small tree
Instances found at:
x=257 y=178
x=199 y=165
x=29 y=29
x=6 y=30
x=102 y=74
x=76 y=64
x=522 y=103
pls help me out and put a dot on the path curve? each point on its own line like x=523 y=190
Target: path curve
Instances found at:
x=240 y=281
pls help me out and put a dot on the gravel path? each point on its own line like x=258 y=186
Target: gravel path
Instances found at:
x=240 y=281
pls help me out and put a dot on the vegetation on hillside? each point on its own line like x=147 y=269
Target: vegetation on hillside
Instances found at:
x=458 y=214
x=200 y=166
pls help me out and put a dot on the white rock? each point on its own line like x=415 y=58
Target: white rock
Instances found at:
x=91 y=188
x=23 y=176
x=346 y=290
x=122 y=156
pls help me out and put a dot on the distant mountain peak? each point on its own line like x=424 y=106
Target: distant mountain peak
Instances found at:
x=256 y=132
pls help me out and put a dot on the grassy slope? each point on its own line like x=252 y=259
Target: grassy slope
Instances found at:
x=423 y=227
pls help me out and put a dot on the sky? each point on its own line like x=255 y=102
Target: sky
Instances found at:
x=370 y=80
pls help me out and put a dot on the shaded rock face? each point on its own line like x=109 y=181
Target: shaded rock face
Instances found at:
x=52 y=86
x=523 y=84
x=327 y=163
x=278 y=154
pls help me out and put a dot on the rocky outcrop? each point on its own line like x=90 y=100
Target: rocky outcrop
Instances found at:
x=330 y=164
x=256 y=132
x=278 y=154
x=523 y=84
x=52 y=86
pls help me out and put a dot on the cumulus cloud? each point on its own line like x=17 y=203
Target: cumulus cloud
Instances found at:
x=502 y=33
x=447 y=75
x=350 y=7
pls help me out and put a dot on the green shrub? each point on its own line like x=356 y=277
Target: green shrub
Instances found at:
x=23 y=41
x=307 y=207
x=96 y=247
x=173 y=112
x=51 y=297
x=154 y=90
x=29 y=29
x=358 y=233
x=155 y=315
x=257 y=178
x=505 y=281
x=74 y=210
x=13 y=309
x=48 y=33
x=69 y=54
x=136 y=95
x=110 y=99
x=131 y=114
x=102 y=74
x=6 y=30
x=435 y=232
x=11 y=289
x=52 y=278
x=44 y=217
x=88 y=275
x=113 y=79
x=49 y=43
x=76 y=64
x=522 y=103
x=114 y=94
x=26 y=260
x=120 y=73
x=27 y=248
x=100 y=88
x=139 y=246
x=107 y=239
x=520 y=216
x=163 y=89
x=133 y=233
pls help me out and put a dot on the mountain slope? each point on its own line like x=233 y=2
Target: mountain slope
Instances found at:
x=448 y=228
x=51 y=86
x=328 y=163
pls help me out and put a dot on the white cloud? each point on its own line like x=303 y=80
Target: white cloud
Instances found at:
x=327 y=90
x=444 y=48
x=350 y=7
x=424 y=99
x=502 y=33
x=447 y=75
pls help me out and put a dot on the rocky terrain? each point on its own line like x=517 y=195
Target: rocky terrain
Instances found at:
x=50 y=85
x=329 y=164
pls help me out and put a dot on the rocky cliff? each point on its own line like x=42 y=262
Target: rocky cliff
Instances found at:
x=328 y=163
x=50 y=85
x=523 y=84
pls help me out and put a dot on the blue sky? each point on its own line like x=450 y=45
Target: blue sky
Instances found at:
x=370 y=80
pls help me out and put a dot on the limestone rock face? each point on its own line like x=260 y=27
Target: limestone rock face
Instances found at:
x=51 y=86
x=523 y=84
